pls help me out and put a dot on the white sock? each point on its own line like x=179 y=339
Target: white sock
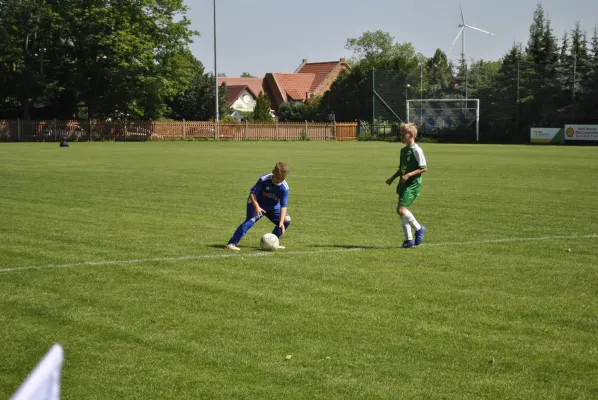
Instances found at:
x=406 y=228
x=411 y=219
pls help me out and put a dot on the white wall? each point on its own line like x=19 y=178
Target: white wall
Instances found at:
x=245 y=106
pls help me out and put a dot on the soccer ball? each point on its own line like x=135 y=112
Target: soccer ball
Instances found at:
x=269 y=241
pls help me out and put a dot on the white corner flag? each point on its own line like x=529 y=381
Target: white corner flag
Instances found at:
x=43 y=383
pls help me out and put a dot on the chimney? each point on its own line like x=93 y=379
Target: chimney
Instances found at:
x=343 y=60
x=303 y=62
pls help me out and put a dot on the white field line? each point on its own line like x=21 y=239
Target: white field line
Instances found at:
x=265 y=254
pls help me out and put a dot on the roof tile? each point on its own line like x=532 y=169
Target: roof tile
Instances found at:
x=233 y=93
x=295 y=86
x=255 y=85
x=320 y=69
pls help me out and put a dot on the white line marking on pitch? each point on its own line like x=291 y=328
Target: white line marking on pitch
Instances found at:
x=265 y=254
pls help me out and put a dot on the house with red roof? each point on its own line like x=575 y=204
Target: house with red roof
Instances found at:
x=308 y=80
x=242 y=93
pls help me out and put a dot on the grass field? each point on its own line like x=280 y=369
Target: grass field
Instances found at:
x=128 y=272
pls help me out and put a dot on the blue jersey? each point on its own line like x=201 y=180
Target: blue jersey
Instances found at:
x=269 y=194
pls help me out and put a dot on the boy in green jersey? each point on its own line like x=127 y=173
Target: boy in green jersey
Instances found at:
x=412 y=166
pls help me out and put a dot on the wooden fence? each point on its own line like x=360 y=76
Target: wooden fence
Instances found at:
x=54 y=130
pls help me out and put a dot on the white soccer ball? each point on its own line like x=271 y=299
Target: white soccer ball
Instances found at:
x=269 y=241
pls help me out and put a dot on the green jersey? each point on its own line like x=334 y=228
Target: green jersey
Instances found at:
x=412 y=158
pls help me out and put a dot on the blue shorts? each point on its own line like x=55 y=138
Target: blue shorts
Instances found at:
x=273 y=214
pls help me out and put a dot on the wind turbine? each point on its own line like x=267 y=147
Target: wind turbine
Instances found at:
x=461 y=33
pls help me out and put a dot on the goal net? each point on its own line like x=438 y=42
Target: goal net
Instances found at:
x=446 y=119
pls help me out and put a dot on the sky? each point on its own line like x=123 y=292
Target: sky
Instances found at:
x=263 y=36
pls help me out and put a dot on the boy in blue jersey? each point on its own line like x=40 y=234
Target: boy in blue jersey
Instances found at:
x=268 y=197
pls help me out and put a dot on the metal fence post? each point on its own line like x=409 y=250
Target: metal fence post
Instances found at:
x=574 y=83
x=517 y=104
x=334 y=130
x=373 y=98
x=306 y=134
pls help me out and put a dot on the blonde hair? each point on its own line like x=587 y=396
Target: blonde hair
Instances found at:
x=281 y=168
x=409 y=128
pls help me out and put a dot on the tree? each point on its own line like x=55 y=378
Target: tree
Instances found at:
x=501 y=121
x=298 y=111
x=461 y=77
x=25 y=36
x=482 y=75
x=595 y=45
x=579 y=43
x=563 y=56
x=123 y=53
x=93 y=59
x=439 y=71
x=543 y=78
x=550 y=47
x=247 y=75
x=535 y=47
x=261 y=112
x=198 y=101
x=378 y=45
x=582 y=70
x=589 y=100
x=350 y=96
x=293 y=112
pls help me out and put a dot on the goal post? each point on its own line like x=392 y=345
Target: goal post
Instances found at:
x=434 y=116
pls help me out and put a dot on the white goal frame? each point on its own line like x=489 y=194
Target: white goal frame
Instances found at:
x=477 y=110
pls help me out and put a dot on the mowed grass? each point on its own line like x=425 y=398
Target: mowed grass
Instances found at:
x=135 y=284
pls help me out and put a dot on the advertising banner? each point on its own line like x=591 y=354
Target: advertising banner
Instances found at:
x=581 y=132
x=547 y=135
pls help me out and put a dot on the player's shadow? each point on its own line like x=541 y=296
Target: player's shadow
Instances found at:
x=313 y=246
x=343 y=246
x=223 y=247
